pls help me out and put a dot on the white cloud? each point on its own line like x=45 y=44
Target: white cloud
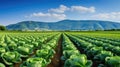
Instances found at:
x=59 y=16
x=49 y=15
x=108 y=16
x=40 y=14
x=61 y=9
x=61 y=12
x=83 y=9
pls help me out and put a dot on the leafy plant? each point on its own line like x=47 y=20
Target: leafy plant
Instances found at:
x=52 y=45
x=10 y=57
x=24 y=51
x=116 y=50
x=34 y=62
x=46 y=47
x=2 y=65
x=69 y=47
x=101 y=56
x=35 y=44
x=78 y=61
x=113 y=61
x=2 y=50
x=107 y=46
x=94 y=51
x=45 y=53
x=68 y=53
x=12 y=46
x=3 y=45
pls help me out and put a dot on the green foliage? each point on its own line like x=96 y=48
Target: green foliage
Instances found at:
x=24 y=51
x=10 y=57
x=2 y=28
x=101 y=56
x=45 y=53
x=78 y=61
x=68 y=53
x=37 y=49
x=2 y=65
x=34 y=62
x=113 y=61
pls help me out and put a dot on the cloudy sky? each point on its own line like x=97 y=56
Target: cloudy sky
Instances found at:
x=13 y=11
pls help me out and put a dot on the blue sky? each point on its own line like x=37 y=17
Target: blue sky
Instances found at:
x=13 y=11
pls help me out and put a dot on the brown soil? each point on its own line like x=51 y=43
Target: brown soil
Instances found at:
x=56 y=61
x=17 y=64
x=95 y=64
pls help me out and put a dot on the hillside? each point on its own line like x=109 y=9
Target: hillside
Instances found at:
x=65 y=25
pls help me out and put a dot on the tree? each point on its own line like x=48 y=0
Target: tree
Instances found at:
x=2 y=28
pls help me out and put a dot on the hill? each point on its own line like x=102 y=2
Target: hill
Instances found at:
x=65 y=25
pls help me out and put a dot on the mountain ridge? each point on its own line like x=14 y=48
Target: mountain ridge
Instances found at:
x=65 y=25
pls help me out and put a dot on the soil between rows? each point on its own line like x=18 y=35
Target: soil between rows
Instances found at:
x=56 y=60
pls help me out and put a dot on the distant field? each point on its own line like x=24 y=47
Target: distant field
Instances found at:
x=103 y=34
x=60 y=49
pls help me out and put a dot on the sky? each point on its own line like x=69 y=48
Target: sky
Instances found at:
x=14 y=11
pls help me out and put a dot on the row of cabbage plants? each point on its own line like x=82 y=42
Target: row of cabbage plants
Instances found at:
x=14 y=47
x=102 y=39
x=106 y=45
x=43 y=55
x=72 y=56
x=98 y=54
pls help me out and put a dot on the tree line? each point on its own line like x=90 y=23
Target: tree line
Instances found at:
x=2 y=28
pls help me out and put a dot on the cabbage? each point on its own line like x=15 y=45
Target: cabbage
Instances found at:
x=35 y=44
x=2 y=50
x=78 y=61
x=108 y=46
x=53 y=45
x=21 y=43
x=68 y=53
x=101 y=57
x=3 y=45
x=10 y=57
x=34 y=62
x=69 y=47
x=2 y=65
x=116 y=50
x=113 y=61
x=46 y=47
x=12 y=46
x=94 y=51
x=24 y=51
x=45 y=53
x=28 y=45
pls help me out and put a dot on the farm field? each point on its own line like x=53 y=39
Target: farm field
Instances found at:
x=60 y=49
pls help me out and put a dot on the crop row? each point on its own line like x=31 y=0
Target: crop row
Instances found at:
x=40 y=49
x=72 y=57
x=16 y=49
x=106 y=44
x=99 y=55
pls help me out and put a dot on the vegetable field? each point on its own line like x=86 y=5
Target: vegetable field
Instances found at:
x=60 y=49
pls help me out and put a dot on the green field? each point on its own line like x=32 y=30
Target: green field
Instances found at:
x=60 y=49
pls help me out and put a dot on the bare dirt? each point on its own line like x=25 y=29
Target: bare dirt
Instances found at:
x=56 y=61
